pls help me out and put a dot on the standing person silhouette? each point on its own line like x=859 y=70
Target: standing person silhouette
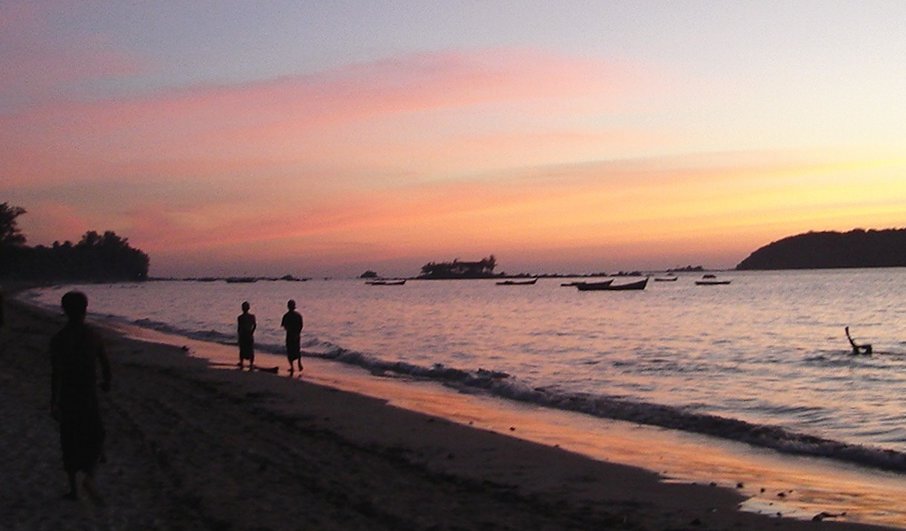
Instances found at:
x=292 y=323
x=74 y=400
x=245 y=328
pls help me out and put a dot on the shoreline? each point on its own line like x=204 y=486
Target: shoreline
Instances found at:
x=773 y=483
x=191 y=447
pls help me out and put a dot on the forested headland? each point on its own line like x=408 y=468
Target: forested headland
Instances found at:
x=95 y=258
x=826 y=250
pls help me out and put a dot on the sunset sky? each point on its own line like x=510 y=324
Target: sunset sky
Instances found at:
x=326 y=138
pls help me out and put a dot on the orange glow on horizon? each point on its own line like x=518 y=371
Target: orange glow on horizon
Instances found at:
x=581 y=214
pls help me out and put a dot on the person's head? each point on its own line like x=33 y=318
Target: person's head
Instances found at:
x=75 y=305
x=291 y=304
x=246 y=306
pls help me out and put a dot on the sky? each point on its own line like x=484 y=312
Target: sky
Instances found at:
x=327 y=138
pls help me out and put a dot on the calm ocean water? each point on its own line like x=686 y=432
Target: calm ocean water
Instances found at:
x=763 y=360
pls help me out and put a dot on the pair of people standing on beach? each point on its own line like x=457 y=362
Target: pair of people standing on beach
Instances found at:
x=246 y=325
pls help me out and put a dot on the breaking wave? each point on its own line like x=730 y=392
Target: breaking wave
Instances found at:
x=508 y=386
x=503 y=385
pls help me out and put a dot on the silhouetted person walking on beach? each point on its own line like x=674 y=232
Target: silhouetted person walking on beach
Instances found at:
x=74 y=400
x=292 y=323
x=245 y=327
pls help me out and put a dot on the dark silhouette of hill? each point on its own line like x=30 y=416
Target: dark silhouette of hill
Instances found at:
x=826 y=250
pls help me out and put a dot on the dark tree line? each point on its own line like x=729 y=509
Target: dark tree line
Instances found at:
x=822 y=250
x=10 y=235
x=96 y=257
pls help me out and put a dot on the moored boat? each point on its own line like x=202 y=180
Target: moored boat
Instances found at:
x=577 y=282
x=517 y=282
x=711 y=280
x=241 y=280
x=608 y=285
x=386 y=282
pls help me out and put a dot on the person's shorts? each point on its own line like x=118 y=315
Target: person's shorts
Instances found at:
x=292 y=348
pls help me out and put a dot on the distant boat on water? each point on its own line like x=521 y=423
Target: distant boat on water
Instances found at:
x=577 y=282
x=669 y=278
x=517 y=282
x=386 y=282
x=711 y=280
x=608 y=285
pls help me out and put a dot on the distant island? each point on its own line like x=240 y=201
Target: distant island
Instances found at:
x=483 y=268
x=687 y=269
x=827 y=250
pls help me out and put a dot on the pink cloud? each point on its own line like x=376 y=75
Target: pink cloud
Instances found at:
x=680 y=206
x=239 y=156
x=229 y=216
x=275 y=120
x=262 y=218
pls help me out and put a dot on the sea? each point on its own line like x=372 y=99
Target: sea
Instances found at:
x=761 y=364
x=762 y=360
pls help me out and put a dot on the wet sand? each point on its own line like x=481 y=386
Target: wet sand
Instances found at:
x=194 y=448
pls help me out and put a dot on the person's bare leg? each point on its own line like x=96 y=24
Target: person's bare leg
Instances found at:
x=88 y=485
x=73 y=493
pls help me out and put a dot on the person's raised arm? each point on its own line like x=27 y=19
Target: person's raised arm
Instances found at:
x=851 y=342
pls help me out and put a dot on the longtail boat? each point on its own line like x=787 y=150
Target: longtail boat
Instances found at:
x=610 y=286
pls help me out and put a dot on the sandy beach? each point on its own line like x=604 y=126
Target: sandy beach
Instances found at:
x=189 y=447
